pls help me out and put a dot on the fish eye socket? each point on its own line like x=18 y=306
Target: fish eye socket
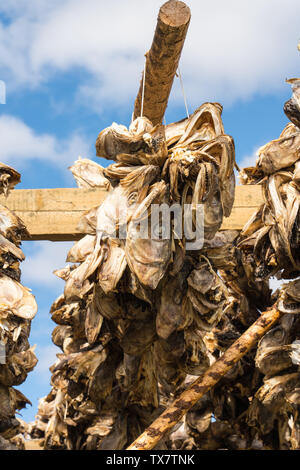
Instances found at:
x=287 y=142
x=132 y=199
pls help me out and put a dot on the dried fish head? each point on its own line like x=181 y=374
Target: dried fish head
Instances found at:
x=11 y=226
x=289 y=300
x=9 y=178
x=175 y=312
x=89 y=174
x=140 y=126
x=138 y=179
x=81 y=249
x=273 y=360
x=207 y=295
x=16 y=299
x=144 y=142
x=280 y=153
x=78 y=281
x=195 y=359
x=138 y=337
x=204 y=124
x=112 y=269
x=147 y=250
x=93 y=320
x=113 y=212
x=292 y=106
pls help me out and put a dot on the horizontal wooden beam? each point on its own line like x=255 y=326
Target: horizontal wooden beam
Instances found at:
x=53 y=214
x=247 y=200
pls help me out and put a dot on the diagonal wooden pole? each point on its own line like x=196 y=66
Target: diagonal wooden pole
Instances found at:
x=172 y=415
x=162 y=61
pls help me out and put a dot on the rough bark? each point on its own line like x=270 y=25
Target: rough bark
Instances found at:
x=172 y=415
x=162 y=60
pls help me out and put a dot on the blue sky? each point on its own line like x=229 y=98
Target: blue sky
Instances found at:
x=71 y=68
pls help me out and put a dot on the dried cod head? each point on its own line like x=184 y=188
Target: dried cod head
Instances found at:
x=89 y=174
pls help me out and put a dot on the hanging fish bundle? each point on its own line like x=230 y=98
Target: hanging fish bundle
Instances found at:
x=256 y=405
x=218 y=420
x=271 y=237
x=17 y=309
x=136 y=309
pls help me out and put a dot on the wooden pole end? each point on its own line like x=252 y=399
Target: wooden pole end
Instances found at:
x=174 y=13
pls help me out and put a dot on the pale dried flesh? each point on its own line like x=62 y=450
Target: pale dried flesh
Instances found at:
x=17 y=309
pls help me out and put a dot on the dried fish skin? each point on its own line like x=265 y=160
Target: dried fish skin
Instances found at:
x=272 y=361
x=270 y=401
x=8 y=424
x=142 y=139
x=93 y=321
x=62 y=312
x=148 y=257
x=11 y=226
x=117 y=139
x=102 y=379
x=117 y=439
x=111 y=271
x=138 y=337
x=170 y=376
x=109 y=305
x=9 y=178
x=138 y=178
x=81 y=249
x=223 y=151
x=7 y=247
x=280 y=153
x=292 y=106
x=145 y=392
x=204 y=124
x=289 y=300
x=195 y=359
x=251 y=175
x=16 y=299
x=207 y=295
x=60 y=334
x=113 y=213
x=18 y=365
x=175 y=312
x=89 y=174
x=88 y=222
x=77 y=283
x=221 y=250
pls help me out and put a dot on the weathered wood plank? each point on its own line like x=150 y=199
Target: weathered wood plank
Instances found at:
x=53 y=199
x=53 y=214
x=247 y=200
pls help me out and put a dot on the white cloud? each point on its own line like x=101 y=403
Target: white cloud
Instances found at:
x=47 y=357
x=233 y=50
x=248 y=160
x=38 y=267
x=20 y=143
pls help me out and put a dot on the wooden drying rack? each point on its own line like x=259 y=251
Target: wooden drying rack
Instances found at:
x=53 y=214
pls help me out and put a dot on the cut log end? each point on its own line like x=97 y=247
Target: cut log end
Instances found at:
x=175 y=13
